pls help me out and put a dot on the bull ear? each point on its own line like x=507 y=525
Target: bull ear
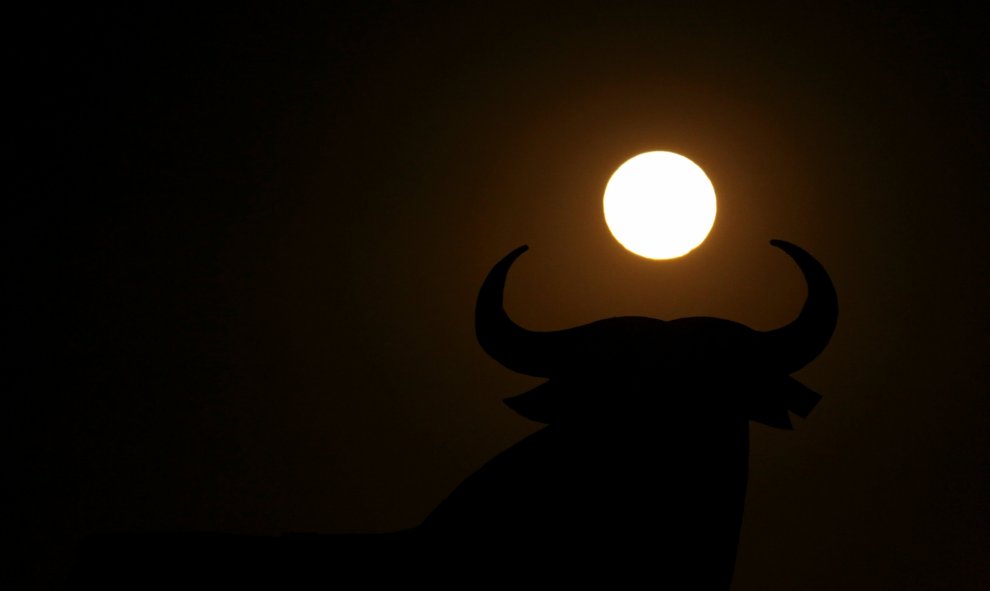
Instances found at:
x=772 y=417
x=543 y=404
x=774 y=397
x=800 y=399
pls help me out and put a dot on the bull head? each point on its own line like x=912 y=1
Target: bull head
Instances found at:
x=636 y=360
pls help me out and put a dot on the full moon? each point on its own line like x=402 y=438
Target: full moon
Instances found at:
x=659 y=205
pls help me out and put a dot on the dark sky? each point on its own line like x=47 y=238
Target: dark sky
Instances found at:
x=242 y=250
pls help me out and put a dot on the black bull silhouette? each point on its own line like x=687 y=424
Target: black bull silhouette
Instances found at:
x=643 y=463
x=639 y=475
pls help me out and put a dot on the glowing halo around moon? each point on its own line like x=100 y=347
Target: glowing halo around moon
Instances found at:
x=659 y=205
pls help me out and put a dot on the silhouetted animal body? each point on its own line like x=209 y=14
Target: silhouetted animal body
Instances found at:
x=638 y=477
x=641 y=469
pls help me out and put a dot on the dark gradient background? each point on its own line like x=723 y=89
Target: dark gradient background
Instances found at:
x=242 y=250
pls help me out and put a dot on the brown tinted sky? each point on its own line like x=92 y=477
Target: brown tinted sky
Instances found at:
x=244 y=249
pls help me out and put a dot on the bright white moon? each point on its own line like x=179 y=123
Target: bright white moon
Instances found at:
x=659 y=205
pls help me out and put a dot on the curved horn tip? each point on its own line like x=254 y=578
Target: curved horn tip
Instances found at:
x=518 y=251
x=785 y=245
x=799 y=342
x=505 y=341
x=801 y=256
x=502 y=267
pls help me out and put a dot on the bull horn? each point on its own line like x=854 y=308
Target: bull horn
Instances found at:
x=795 y=345
x=521 y=350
